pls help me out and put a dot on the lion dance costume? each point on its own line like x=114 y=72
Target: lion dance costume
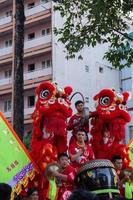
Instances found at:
x=111 y=114
x=49 y=136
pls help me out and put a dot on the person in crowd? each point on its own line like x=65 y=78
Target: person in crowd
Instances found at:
x=105 y=144
x=5 y=191
x=118 y=163
x=80 y=151
x=80 y=194
x=126 y=181
x=32 y=194
x=75 y=122
x=65 y=177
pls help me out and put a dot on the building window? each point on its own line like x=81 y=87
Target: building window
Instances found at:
x=45 y=1
x=31 y=67
x=31 y=36
x=31 y=5
x=43 y=64
x=46 y=64
x=46 y=31
x=31 y=101
x=130 y=132
x=8 y=43
x=7 y=106
x=8 y=73
x=43 y=32
x=101 y=69
x=87 y=99
x=9 y=13
x=127 y=84
x=86 y=68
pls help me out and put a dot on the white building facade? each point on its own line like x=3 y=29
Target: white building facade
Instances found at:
x=89 y=75
x=127 y=85
x=44 y=59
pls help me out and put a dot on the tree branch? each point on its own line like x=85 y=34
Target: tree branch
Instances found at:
x=125 y=35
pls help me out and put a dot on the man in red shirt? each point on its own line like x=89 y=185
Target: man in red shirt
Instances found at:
x=80 y=151
x=118 y=163
x=78 y=121
x=65 y=177
x=75 y=123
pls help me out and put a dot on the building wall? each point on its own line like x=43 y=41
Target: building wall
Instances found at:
x=127 y=85
x=88 y=75
x=37 y=19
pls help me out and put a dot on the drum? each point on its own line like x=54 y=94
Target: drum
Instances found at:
x=49 y=169
x=98 y=176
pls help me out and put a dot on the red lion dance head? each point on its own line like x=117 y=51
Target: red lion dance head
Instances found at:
x=53 y=101
x=111 y=114
x=111 y=105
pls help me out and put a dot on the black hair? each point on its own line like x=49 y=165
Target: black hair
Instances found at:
x=5 y=191
x=116 y=157
x=78 y=102
x=80 y=194
x=64 y=154
x=86 y=134
x=30 y=191
x=81 y=130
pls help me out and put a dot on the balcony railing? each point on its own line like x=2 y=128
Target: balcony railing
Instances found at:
x=37 y=73
x=37 y=9
x=5 y=20
x=37 y=41
x=5 y=81
x=7 y=114
x=28 y=12
x=28 y=44
x=6 y=50
x=1 y=1
x=27 y=111
x=29 y=75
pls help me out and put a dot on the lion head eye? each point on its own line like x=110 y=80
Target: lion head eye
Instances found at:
x=105 y=101
x=121 y=107
x=44 y=94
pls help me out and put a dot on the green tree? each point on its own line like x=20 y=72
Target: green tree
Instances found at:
x=27 y=139
x=88 y=22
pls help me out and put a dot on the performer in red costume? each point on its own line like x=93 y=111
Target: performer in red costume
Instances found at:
x=80 y=151
x=65 y=177
x=49 y=136
x=78 y=121
x=118 y=163
x=75 y=122
x=106 y=142
x=111 y=113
